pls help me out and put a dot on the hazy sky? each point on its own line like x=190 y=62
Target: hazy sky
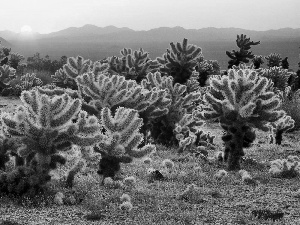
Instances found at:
x=53 y=15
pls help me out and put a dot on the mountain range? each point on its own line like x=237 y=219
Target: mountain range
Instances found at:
x=96 y=43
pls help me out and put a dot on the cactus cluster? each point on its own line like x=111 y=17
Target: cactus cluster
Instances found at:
x=134 y=65
x=182 y=102
x=243 y=55
x=246 y=104
x=180 y=61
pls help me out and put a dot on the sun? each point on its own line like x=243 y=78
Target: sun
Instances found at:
x=26 y=29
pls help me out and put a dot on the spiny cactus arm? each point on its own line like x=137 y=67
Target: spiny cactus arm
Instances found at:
x=57 y=91
x=98 y=67
x=85 y=132
x=107 y=91
x=155 y=80
x=159 y=104
x=125 y=121
x=76 y=66
x=61 y=79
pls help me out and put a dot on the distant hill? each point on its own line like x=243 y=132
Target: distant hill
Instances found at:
x=96 y=43
x=5 y=43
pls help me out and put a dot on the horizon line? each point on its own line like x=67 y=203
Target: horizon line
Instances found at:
x=36 y=32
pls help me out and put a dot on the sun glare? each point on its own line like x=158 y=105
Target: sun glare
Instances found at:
x=26 y=29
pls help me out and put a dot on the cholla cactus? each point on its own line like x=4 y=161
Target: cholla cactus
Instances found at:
x=206 y=68
x=180 y=61
x=27 y=82
x=279 y=127
x=15 y=60
x=134 y=65
x=122 y=140
x=115 y=91
x=246 y=104
x=60 y=79
x=187 y=130
x=99 y=67
x=273 y=59
x=76 y=66
x=162 y=129
x=257 y=61
x=285 y=168
x=278 y=75
x=7 y=73
x=46 y=127
x=243 y=55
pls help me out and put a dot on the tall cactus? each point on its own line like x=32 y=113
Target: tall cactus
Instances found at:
x=46 y=127
x=243 y=55
x=246 y=104
x=122 y=140
x=180 y=61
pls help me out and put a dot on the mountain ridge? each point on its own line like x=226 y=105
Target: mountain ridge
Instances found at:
x=96 y=43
